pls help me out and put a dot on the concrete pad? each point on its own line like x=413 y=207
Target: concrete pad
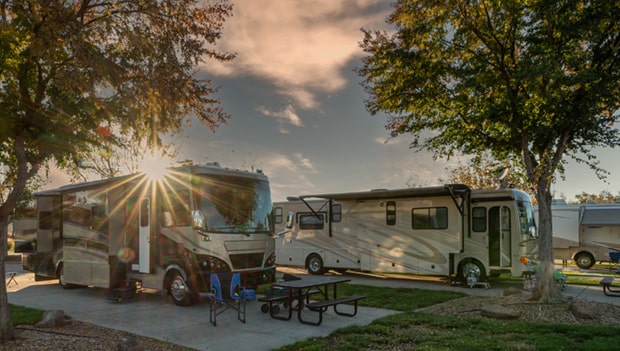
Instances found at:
x=156 y=316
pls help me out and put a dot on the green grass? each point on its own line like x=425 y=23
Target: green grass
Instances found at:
x=24 y=315
x=423 y=331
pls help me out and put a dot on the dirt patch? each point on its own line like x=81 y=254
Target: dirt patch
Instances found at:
x=572 y=311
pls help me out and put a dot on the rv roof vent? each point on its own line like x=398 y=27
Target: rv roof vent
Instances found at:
x=214 y=164
x=292 y=198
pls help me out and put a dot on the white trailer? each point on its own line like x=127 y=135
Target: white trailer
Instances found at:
x=585 y=233
x=444 y=230
x=167 y=234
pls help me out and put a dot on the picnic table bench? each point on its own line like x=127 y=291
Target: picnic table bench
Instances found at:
x=321 y=306
x=607 y=288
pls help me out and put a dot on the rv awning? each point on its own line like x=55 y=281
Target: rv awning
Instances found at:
x=87 y=185
x=600 y=215
x=451 y=189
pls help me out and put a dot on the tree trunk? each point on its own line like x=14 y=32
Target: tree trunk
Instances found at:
x=546 y=289
x=7 y=332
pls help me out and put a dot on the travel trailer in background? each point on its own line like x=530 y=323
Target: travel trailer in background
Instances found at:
x=443 y=230
x=167 y=234
x=585 y=233
x=23 y=226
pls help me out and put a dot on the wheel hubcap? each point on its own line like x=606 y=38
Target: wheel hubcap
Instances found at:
x=178 y=288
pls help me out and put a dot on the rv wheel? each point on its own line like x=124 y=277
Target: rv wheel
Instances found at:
x=179 y=291
x=471 y=268
x=315 y=264
x=584 y=260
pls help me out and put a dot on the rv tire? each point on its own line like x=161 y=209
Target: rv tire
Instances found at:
x=178 y=289
x=471 y=266
x=314 y=263
x=584 y=260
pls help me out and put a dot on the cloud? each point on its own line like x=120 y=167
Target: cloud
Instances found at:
x=285 y=116
x=305 y=162
x=288 y=175
x=302 y=47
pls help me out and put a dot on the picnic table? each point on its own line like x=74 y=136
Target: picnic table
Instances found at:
x=302 y=287
x=608 y=289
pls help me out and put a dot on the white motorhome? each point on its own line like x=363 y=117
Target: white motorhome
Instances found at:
x=444 y=230
x=167 y=234
x=585 y=233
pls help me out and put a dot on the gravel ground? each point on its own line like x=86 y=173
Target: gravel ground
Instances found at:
x=80 y=336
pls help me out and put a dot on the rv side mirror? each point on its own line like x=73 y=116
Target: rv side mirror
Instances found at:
x=289 y=220
x=166 y=219
x=198 y=220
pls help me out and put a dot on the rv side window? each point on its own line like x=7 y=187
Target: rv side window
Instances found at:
x=336 y=213
x=311 y=221
x=45 y=220
x=277 y=215
x=390 y=213
x=430 y=218
x=144 y=213
x=479 y=219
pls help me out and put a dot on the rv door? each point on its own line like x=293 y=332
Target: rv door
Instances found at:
x=499 y=236
x=144 y=250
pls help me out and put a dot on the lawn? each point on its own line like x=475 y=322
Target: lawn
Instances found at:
x=423 y=331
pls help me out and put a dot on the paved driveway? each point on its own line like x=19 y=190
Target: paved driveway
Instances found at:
x=153 y=315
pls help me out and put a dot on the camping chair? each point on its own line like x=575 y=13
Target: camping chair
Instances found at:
x=221 y=301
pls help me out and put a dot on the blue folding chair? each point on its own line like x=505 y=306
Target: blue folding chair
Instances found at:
x=220 y=301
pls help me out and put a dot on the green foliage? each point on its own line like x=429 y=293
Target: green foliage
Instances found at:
x=412 y=299
x=604 y=197
x=79 y=78
x=534 y=80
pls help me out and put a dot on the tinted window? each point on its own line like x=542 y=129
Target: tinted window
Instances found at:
x=430 y=218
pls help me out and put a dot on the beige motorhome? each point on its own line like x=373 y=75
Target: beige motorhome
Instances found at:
x=167 y=234
x=586 y=233
x=444 y=230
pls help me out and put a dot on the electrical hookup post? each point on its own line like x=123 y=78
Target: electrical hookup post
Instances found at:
x=530 y=275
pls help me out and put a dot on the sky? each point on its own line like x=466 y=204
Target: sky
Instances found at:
x=298 y=110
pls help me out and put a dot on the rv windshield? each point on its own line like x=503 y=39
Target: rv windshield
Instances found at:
x=231 y=204
x=526 y=218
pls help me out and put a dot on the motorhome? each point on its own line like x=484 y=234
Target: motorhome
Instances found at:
x=585 y=233
x=447 y=230
x=167 y=234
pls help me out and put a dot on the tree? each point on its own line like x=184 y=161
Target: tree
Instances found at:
x=604 y=197
x=86 y=75
x=533 y=79
x=483 y=172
